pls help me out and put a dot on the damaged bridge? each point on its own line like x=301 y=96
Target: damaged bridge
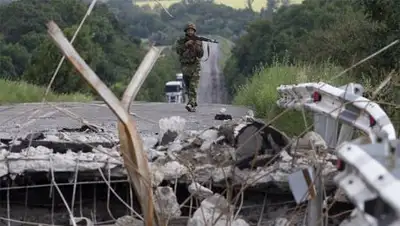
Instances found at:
x=191 y=157
x=71 y=163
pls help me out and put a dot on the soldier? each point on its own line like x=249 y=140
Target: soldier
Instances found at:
x=190 y=52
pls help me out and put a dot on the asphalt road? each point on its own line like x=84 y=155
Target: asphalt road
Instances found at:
x=211 y=85
x=21 y=119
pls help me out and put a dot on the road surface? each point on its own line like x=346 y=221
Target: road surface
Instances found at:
x=19 y=119
x=211 y=85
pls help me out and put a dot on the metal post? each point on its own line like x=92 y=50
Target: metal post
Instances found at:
x=314 y=207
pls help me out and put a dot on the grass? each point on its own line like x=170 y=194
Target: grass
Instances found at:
x=237 y=4
x=260 y=94
x=22 y=92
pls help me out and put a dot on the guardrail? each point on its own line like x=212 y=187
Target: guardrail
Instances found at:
x=371 y=187
x=367 y=172
x=338 y=104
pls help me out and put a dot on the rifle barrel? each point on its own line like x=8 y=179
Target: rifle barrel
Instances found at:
x=206 y=39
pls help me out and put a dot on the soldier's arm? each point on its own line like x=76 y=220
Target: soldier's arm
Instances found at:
x=199 y=49
x=180 y=46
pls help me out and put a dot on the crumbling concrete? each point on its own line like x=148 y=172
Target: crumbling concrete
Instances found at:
x=191 y=156
x=166 y=204
x=199 y=191
x=128 y=220
x=218 y=155
x=215 y=210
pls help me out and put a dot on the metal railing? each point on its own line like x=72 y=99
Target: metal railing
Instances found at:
x=367 y=172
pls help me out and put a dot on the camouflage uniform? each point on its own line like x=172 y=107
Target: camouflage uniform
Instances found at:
x=189 y=58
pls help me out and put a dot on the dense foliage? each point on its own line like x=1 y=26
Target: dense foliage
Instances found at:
x=316 y=31
x=113 y=40
x=158 y=26
x=313 y=33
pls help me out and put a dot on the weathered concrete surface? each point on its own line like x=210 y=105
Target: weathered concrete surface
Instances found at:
x=18 y=119
x=186 y=159
x=193 y=156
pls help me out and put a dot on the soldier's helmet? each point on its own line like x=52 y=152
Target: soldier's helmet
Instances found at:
x=190 y=25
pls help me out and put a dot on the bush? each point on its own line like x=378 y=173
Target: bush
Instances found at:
x=259 y=93
x=22 y=92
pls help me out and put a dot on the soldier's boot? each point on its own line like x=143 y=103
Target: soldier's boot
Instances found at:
x=190 y=107
x=194 y=106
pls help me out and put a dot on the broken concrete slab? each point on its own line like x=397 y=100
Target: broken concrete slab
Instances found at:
x=199 y=191
x=128 y=221
x=170 y=128
x=215 y=210
x=166 y=204
x=193 y=156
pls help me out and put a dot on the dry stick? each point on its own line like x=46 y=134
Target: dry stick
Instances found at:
x=75 y=180
x=53 y=181
x=164 y=8
x=131 y=147
x=8 y=206
x=133 y=88
x=366 y=59
x=140 y=76
x=262 y=210
x=108 y=192
x=118 y=197
x=382 y=85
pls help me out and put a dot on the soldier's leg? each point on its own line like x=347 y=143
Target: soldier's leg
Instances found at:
x=191 y=91
x=194 y=82
x=186 y=81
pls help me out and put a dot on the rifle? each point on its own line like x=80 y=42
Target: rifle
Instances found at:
x=199 y=38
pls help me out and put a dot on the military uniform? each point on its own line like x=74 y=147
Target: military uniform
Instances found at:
x=189 y=58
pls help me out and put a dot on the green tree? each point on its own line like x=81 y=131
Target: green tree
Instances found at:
x=47 y=56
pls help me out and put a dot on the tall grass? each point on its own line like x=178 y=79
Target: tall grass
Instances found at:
x=22 y=92
x=260 y=92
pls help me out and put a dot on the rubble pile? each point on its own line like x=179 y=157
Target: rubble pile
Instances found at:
x=235 y=153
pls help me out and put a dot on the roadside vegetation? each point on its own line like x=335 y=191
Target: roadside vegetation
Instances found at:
x=113 y=41
x=18 y=91
x=311 y=34
x=260 y=91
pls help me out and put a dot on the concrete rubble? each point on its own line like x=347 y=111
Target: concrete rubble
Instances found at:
x=198 y=191
x=199 y=156
x=215 y=210
x=166 y=204
x=215 y=155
